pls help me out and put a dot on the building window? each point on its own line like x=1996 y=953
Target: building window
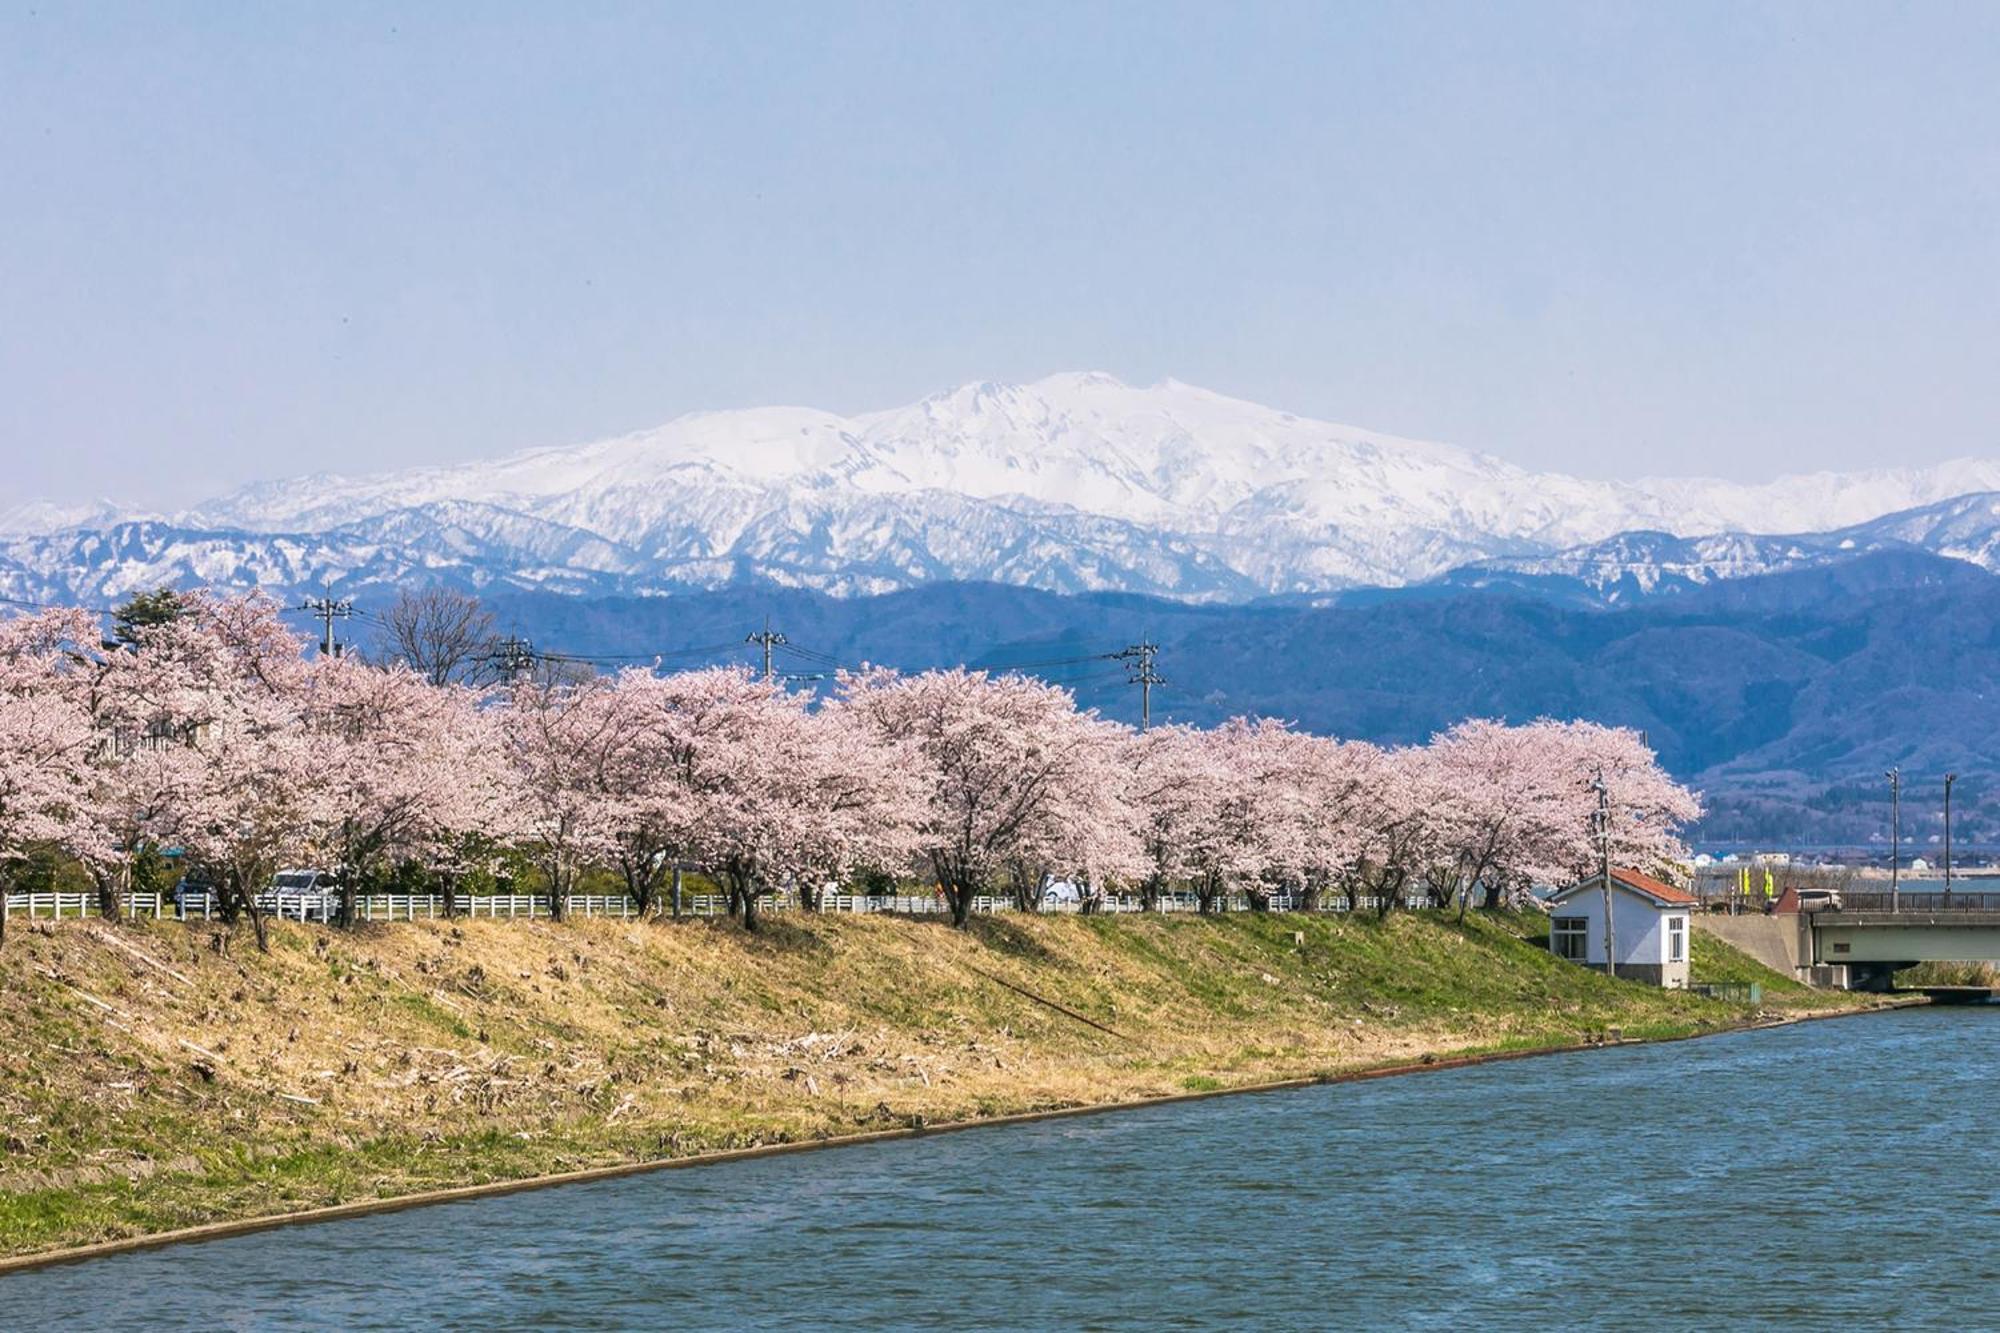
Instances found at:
x=1677 y=939
x=1567 y=935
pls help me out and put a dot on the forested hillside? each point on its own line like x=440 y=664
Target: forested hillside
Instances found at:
x=1783 y=697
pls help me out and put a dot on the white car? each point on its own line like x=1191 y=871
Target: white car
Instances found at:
x=312 y=895
x=1060 y=893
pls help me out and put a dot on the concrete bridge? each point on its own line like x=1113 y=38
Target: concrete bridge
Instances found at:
x=1872 y=934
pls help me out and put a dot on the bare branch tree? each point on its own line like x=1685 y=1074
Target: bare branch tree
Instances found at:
x=444 y=636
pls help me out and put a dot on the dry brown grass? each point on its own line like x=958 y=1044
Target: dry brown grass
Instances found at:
x=150 y=1079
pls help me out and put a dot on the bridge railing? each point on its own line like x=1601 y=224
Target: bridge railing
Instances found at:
x=1927 y=901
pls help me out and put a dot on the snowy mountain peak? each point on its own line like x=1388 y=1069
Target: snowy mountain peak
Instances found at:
x=1074 y=481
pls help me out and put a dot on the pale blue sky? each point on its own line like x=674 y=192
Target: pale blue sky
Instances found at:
x=244 y=241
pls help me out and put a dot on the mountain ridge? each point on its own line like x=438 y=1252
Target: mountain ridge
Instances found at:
x=1075 y=482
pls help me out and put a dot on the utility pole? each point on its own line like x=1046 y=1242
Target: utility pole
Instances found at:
x=328 y=609
x=1139 y=660
x=1600 y=828
x=1949 y=778
x=515 y=657
x=769 y=641
x=1895 y=776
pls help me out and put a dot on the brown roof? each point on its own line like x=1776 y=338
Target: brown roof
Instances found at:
x=1644 y=884
x=1647 y=884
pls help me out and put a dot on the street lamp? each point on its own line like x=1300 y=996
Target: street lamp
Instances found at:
x=1949 y=778
x=1895 y=776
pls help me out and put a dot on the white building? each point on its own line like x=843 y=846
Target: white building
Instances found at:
x=1650 y=926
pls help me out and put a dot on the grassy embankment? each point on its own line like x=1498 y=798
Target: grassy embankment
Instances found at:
x=149 y=1082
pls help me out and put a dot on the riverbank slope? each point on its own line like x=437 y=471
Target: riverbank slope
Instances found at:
x=150 y=1080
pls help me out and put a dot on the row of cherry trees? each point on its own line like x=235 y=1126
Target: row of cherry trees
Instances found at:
x=212 y=731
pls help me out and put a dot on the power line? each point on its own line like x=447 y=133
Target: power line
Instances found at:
x=706 y=650
x=1048 y=662
x=32 y=605
x=810 y=654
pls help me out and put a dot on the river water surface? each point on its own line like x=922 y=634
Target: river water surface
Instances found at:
x=1831 y=1173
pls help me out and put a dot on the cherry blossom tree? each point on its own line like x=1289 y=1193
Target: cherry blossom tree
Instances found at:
x=1325 y=784
x=1208 y=816
x=204 y=724
x=241 y=799
x=763 y=792
x=46 y=740
x=1265 y=817
x=666 y=764
x=1089 y=838
x=1508 y=808
x=1400 y=806
x=560 y=738
x=402 y=767
x=1005 y=761
x=1648 y=808
x=150 y=696
x=1176 y=776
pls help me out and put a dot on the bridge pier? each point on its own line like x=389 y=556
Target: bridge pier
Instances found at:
x=1876 y=977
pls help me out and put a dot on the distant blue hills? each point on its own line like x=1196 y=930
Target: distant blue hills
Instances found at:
x=1784 y=696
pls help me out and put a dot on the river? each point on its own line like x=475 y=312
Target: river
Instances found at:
x=1827 y=1173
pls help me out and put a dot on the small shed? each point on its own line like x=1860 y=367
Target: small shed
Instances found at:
x=1650 y=922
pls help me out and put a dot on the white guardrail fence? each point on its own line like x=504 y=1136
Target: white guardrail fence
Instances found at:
x=198 y=906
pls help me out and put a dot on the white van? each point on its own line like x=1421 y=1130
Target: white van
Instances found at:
x=303 y=895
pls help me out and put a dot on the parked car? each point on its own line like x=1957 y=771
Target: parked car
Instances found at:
x=1061 y=893
x=313 y=894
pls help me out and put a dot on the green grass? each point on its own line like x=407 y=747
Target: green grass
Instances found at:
x=424 y=1007
x=341 y=1058
x=1712 y=960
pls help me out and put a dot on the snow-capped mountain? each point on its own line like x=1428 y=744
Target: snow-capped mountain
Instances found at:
x=1631 y=565
x=1074 y=482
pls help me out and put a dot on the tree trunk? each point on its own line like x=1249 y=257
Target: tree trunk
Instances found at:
x=750 y=910
x=677 y=893
x=961 y=905
x=642 y=882
x=449 y=883
x=1386 y=894
x=246 y=902
x=109 y=905
x=1149 y=893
